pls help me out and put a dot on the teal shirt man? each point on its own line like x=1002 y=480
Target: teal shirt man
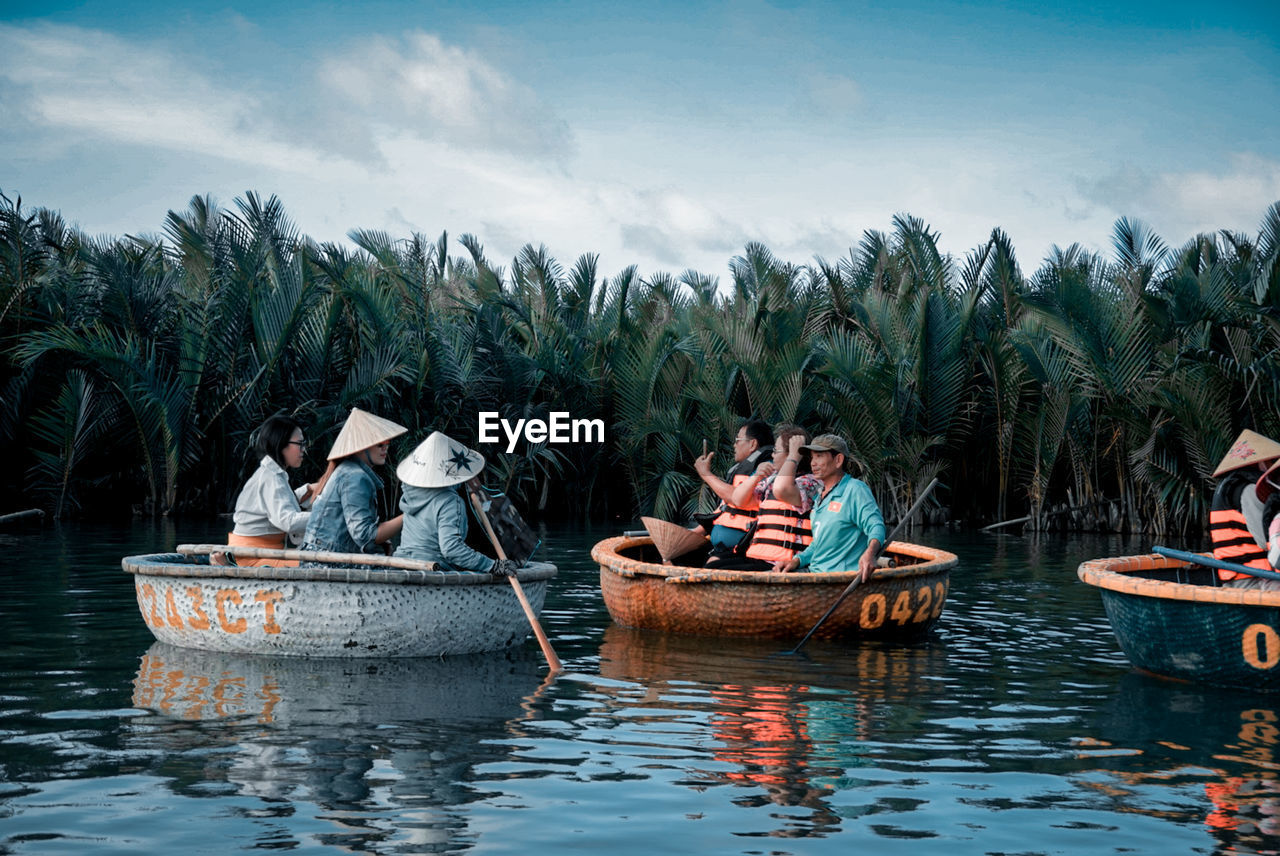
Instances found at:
x=845 y=522
x=848 y=529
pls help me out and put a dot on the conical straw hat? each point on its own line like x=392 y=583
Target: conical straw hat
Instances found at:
x=671 y=539
x=1268 y=482
x=439 y=461
x=1249 y=448
x=361 y=431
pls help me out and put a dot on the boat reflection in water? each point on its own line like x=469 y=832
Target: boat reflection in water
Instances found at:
x=391 y=742
x=1220 y=745
x=786 y=730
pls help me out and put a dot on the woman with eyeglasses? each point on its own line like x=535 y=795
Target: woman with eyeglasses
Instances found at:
x=269 y=512
x=345 y=517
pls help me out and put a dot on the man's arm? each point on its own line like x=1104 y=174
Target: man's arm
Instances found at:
x=719 y=486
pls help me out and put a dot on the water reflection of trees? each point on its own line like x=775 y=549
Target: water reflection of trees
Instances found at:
x=785 y=729
x=384 y=749
x=1222 y=744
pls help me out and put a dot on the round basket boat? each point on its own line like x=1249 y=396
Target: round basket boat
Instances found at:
x=332 y=611
x=1171 y=620
x=899 y=602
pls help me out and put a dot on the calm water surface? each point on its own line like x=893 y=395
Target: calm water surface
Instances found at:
x=1016 y=727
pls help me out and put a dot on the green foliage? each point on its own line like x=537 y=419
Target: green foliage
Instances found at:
x=141 y=366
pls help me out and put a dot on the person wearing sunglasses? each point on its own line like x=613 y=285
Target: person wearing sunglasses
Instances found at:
x=269 y=511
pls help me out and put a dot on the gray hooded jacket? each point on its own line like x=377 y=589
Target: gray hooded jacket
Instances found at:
x=435 y=529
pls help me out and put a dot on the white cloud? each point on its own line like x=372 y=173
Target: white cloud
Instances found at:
x=411 y=133
x=105 y=89
x=442 y=92
x=1181 y=204
x=144 y=94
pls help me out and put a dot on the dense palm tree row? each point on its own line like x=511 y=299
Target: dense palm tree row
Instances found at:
x=134 y=370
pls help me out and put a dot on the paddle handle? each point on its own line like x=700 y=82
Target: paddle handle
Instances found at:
x=911 y=512
x=1210 y=562
x=553 y=662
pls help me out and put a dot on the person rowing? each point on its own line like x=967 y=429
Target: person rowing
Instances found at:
x=435 y=515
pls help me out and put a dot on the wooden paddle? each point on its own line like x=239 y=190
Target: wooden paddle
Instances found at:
x=1210 y=562
x=858 y=579
x=553 y=662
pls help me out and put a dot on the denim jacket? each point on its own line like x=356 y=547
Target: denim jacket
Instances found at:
x=345 y=519
x=435 y=529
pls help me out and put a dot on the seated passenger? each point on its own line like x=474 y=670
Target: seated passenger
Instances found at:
x=781 y=526
x=435 y=513
x=1237 y=519
x=345 y=517
x=752 y=445
x=270 y=513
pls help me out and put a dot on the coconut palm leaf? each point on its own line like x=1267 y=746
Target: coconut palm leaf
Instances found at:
x=64 y=432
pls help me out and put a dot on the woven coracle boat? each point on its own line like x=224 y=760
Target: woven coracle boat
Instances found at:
x=1171 y=620
x=332 y=611
x=899 y=602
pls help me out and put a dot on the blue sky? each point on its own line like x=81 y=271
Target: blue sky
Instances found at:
x=662 y=135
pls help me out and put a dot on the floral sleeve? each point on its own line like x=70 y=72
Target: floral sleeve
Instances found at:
x=810 y=487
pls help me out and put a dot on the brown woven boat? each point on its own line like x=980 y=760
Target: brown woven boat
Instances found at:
x=898 y=602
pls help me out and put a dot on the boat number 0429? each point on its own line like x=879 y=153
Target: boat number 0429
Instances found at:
x=909 y=606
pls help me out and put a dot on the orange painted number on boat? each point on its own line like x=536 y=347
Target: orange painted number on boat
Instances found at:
x=925 y=596
x=269 y=599
x=939 y=596
x=220 y=600
x=171 y=610
x=901 y=611
x=872 y=611
x=149 y=612
x=1261 y=646
x=201 y=619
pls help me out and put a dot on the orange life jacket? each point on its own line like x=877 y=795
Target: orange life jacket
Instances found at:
x=1229 y=530
x=735 y=517
x=781 y=532
x=1232 y=542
